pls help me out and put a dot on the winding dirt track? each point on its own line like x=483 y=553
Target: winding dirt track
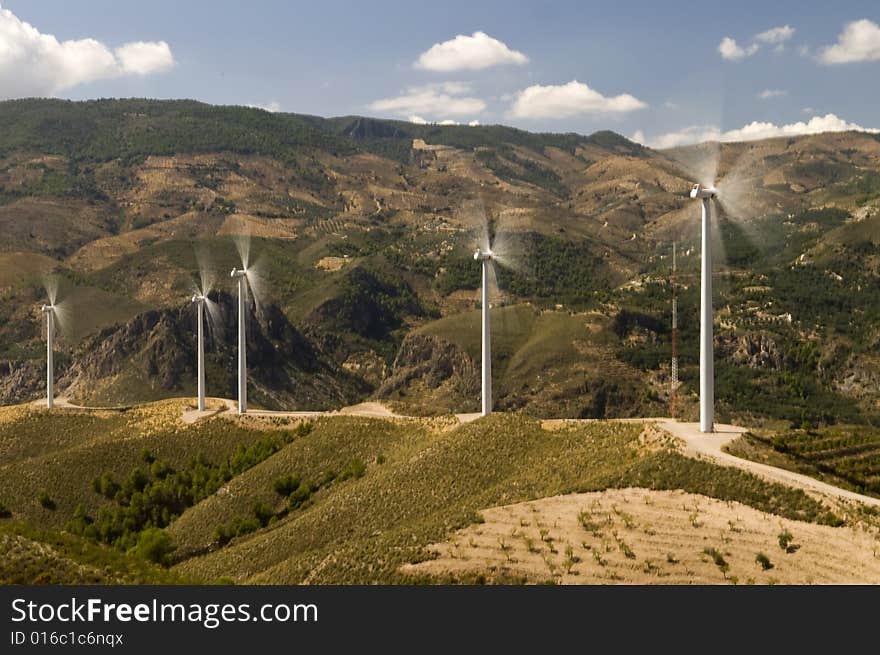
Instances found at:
x=709 y=446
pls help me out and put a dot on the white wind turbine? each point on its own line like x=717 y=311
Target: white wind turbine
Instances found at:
x=207 y=315
x=49 y=312
x=492 y=248
x=247 y=278
x=732 y=192
x=707 y=353
x=55 y=313
x=486 y=257
x=241 y=276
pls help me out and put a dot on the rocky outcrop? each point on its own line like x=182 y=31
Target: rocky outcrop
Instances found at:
x=433 y=362
x=755 y=350
x=21 y=380
x=156 y=350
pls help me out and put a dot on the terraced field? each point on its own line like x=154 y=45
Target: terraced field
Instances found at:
x=636 y=536
x=848 y=456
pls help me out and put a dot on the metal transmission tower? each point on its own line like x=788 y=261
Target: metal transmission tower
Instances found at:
x=673 y=391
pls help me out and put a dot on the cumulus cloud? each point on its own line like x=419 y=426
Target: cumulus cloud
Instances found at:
x=859 y=41
x=767 y=94
x=566 y=100
x=816 y=125
x=731 y=51
x=432 y=99
x=473 y=52
x=418 y=120
x=752 y=132
x=36 y=64
x=272 y=107
x=473 y=123
x=144 y=57
x=776 y=35
x=686 y=136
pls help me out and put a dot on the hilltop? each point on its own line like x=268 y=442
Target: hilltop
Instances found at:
x=363 y=229
x=139 y=495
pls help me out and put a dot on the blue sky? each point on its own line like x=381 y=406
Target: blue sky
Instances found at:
x=642 y=68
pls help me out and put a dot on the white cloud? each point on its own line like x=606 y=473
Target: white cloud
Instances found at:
x=767 y=94
x=686 y=136
x=418 y=120
x=273 y=107
x=36 y=64
x=732 y=52
x=816 y=125
x=567 y=100
x=752 y=132
x=143 y=57
x=808 y=110
x=432 y=99
x=859 y=41
x=776 y=35
x=473 y=52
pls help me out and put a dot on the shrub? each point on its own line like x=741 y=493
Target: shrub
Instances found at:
x=764 y=561
x=355 y=469
x=223 y=534
x=154 y=545
x=263 y=513
x=719 y=560
x=45 y=500
x=785 y=539
x=286 y=485
x=300 y=495
x=105 y=485
x=586 y=520
x=4 y=511
x=160 y=469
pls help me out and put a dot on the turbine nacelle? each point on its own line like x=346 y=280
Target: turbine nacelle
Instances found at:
x=47 y=309
x=238 y=273
x=700 y=191
x=484 y=255
x=199 y=298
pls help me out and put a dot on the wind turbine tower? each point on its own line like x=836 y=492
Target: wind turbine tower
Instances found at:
x=200 y=300
x=485 y=256
x=241 y=276
x=49 y=311
x=707 y=356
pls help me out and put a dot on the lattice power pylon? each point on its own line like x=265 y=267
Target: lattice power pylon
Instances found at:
x=673 y=391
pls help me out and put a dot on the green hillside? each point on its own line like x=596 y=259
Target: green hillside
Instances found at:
x=339 y=500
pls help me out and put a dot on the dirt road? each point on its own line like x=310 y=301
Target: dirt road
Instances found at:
x=709 y=446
